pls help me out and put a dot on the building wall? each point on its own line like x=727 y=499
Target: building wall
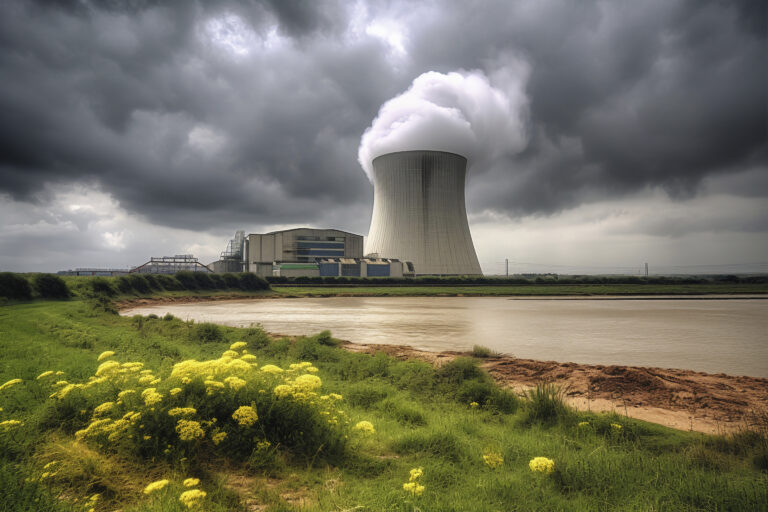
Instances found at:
x=302 y=245
x=419 y=213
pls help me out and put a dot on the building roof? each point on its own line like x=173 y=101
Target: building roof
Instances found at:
x=309 y=229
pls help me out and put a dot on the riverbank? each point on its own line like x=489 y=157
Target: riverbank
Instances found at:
x=681 y=399
x=676 y=398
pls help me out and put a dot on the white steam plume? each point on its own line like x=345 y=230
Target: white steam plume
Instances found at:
x=459 y=112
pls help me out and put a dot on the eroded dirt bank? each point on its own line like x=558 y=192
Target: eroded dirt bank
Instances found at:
x=682 y=399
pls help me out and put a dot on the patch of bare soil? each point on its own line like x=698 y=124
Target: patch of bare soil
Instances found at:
x=682 y=399
x=152 y=301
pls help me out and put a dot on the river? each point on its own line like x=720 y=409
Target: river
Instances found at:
x=714 y=335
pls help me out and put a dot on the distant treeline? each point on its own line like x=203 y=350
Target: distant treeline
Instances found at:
x=50 y=286
x=551 y=279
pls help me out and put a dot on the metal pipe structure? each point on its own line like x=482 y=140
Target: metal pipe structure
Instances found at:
x=419 y=214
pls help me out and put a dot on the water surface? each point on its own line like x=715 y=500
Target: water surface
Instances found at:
x=714 y=335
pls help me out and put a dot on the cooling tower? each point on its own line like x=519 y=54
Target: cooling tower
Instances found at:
x=419 y=213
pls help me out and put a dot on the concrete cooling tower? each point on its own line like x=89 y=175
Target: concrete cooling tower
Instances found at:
x=419 y=213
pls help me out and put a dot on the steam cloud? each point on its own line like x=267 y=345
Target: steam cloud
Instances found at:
x=459 y=112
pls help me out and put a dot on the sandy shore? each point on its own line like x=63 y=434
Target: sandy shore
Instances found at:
x=681 y=399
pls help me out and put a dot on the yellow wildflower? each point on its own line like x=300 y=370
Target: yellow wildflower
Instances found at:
x=336 y=396
x=230 y=353
x=493 y=459
x=105 y=355
x=10 y=383
x=474 y=404
x=218 y=437
x=186 y=380
x=146 y=379
x=45 y=374
x=214 y=384
x=235 y=382
x=270 y=368
x=365 y=426
x=307 y=382
x=191 y=482
x=189 y=430
x=238 y=345
x=8 y=424
x=583 y=424
x=542 y=465
x=248 y=358
x=151 y=397
x=155 y=486
x=125 y=393
x=182 y=411
x=616 y=426
x=414 y=488
x=107 y=367
x=175 y=391
x=283 y=391
x=192 y=498
x=245 y=416
x=415 y=474
x=103 y=408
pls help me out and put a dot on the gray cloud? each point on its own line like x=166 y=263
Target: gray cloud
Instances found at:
x=212 y=115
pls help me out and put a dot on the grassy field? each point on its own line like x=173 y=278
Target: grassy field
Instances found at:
x=525 y=290
x=473 y=441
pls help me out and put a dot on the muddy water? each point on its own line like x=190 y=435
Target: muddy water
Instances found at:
x=714 y=335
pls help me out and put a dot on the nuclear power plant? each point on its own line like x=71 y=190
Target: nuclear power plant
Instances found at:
x=419 y=214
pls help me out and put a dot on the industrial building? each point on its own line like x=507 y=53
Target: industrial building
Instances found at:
x=419 y=212
x=298 y=246
x=171 y=265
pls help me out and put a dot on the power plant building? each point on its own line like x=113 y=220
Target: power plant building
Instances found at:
x=419 y=212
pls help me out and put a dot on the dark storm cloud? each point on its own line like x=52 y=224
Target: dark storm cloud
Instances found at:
x=203 y=114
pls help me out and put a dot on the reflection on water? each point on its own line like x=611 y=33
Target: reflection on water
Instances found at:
x=715 y=336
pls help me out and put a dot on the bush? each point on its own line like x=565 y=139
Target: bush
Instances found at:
x=230 y=280
x=403 y=413
x=225 y=407
x=187 y=280
x=168 y=282
x=138 y=283
x=366 y=395
x=124 y=285
x=203 y=280
x=251 y=282
x=207 y=333
x=14 y=286
x=488 y=395
x=50 y=286
x=459 y=370
x=256 y=337
x=100 y=286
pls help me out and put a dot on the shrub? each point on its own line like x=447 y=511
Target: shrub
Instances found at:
x=124 y=285
x=203 y=280
x=366 y=395
x=256 y=337
x=168 y=282
x=459 y=370
x=50 y=286
x=324 y=338
x=207 y=332
x=489 y=395
x=138 y=283
x=14 y=286
x=218 y=281
x=187 y=280
x=251 y=282
x=168 y=317
x=230 y=280
x=202 y=410
x=403 y=413
x=445 y=445
x=152 y=281
x=101 y=286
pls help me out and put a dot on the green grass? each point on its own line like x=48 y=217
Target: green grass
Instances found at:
x=422 y=418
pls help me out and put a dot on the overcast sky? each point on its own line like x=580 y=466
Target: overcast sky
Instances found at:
x=131 y=129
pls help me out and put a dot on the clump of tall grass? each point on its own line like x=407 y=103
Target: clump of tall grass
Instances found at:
x=483 y=352
x=545 y=404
